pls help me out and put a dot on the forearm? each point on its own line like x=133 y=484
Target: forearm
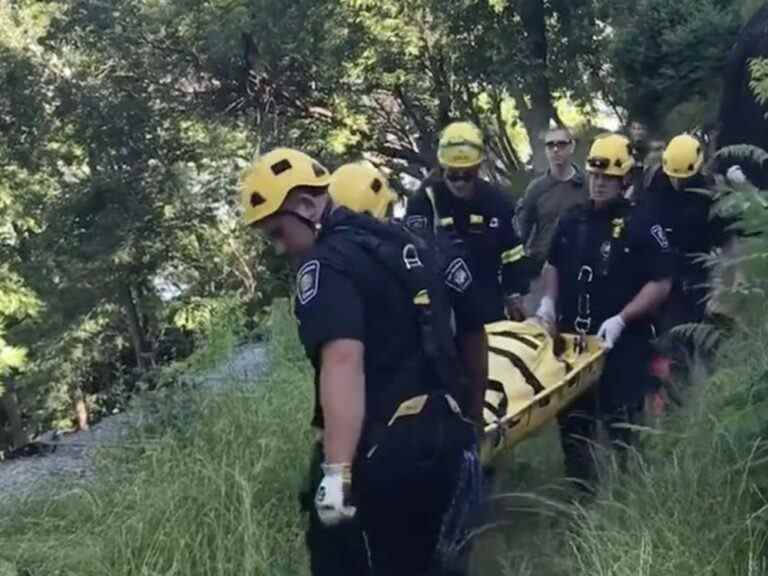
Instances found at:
x=551 y=281
x=342 y=396
x=647 y=301
x=474 y=352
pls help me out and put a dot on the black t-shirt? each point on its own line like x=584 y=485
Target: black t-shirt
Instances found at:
x=485 y=224
x=342 y=292
x=623 y=249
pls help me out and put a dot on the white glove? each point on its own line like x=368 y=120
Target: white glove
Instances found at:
x=546 y=311
x=333 y=494
x=735 y=175
x=610 y=331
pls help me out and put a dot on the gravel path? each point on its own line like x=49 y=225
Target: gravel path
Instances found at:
x=70 y=461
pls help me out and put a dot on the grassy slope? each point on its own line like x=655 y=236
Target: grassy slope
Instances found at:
x=217 y=496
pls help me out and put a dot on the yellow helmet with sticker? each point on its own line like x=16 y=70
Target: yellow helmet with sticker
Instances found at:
x=266 y=183
x=360 y=187
x=460 y=146
x=611 y=155
x=682 y=157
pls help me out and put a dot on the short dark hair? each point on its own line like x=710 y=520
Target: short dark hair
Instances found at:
x=558 y=128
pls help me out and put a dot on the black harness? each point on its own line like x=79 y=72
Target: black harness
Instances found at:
x=414 y=262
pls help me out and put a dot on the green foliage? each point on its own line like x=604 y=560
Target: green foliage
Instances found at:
x=217 y=495
x=219 y=325
x=758 y=69
x=692 y=503
x=665 y=53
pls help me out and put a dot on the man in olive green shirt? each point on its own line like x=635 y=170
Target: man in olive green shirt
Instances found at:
x=550 y=196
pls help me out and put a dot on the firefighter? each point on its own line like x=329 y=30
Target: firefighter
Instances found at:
x=457 y=199
x=678 y=195
x=608 y=271
x=372 y=322
x=362 y=188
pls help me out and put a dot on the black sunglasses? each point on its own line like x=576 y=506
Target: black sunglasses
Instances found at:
x=552 y=144
x=460 y=175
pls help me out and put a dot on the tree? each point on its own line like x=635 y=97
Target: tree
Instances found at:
x=666 y=54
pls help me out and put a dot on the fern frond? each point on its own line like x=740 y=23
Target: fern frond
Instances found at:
x=742 y=153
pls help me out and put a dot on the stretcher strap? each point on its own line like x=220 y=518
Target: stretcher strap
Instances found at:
x=501 y=410
x=527 y=341
x=522 y=367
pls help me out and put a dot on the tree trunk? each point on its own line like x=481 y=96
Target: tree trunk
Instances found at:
x=9 y=402
x=81 y=410
x=135 y=328
x=538 y=114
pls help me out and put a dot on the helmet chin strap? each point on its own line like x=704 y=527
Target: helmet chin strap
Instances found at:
x=316 y=227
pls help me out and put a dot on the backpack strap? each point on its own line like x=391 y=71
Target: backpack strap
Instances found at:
x=413 y=262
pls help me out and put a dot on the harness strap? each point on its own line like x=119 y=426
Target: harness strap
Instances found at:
x=583 y=321
x=413 y=269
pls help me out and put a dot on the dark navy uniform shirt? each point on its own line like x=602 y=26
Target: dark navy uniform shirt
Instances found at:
x=687 y=218
x=485 y=224
x=343 y=292
x=615 y=251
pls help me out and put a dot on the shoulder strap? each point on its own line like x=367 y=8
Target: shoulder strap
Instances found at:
x=414 y=263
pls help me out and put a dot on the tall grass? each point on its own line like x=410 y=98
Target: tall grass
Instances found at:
x=693 y=501
x=216 y=494
x=217 y=498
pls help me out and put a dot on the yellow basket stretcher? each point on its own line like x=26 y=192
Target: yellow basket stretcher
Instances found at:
x=529 y=384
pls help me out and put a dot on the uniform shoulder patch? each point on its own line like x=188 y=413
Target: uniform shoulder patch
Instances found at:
x=458 y=275
x=307 y=281
x=660 y=236
x=416 y=222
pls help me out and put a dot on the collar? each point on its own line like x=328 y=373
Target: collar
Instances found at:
x=616 y=209
x=577 y=177
x=334 y=216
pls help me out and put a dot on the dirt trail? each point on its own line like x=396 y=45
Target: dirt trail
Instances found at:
x=71 y=456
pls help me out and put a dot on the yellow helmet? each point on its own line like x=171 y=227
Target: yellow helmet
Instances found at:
x=265 y=184
x=362 y=188
x=682 y=157
x=461 y=146
x=610 y=154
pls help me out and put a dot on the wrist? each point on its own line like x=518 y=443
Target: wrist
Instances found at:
x=338 y=469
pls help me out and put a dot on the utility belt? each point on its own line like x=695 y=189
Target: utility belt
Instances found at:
x=408 y=409
x=421 y=430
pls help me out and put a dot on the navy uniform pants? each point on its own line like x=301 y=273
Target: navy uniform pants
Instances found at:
x=614 y=401
x=413 y=491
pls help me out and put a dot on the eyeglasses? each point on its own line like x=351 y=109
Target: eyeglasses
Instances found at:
x=598 y=163
x=557 y=144
x=461 y=175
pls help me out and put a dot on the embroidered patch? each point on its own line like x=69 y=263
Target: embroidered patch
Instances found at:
x=458 y=275
x=661 y=237
x=416 y=222
x=307 y=281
